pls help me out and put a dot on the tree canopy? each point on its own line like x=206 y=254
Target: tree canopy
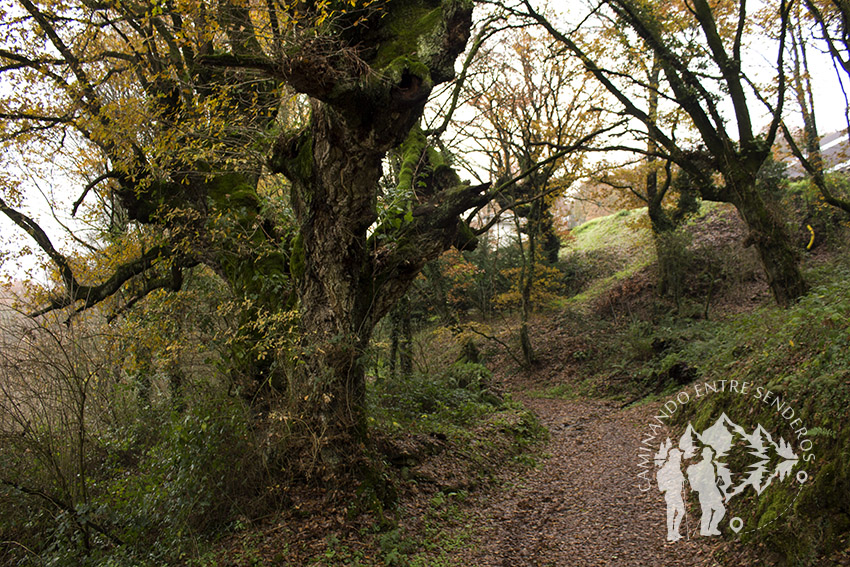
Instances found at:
x=279 y=145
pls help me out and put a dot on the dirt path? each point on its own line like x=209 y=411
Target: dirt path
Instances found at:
x=582 y=507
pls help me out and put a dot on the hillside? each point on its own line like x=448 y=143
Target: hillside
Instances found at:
x=309 y=286
x=620 y=339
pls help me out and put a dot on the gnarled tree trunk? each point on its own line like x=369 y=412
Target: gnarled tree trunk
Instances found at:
x=349 y=270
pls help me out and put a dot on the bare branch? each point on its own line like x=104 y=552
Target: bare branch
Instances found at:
x=37 y=233
x=90 y=186
x=484 y=34
x=815 y=172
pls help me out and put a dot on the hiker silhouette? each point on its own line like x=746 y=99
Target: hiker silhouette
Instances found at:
x=703 y=480
x=671 y=482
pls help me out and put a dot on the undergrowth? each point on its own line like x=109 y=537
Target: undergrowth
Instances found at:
x=805 y=361
x=650 y=349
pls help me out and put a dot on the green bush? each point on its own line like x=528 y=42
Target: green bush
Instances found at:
x=457 y=395
x=163 y=486
x=184 y=487
x=814 y=221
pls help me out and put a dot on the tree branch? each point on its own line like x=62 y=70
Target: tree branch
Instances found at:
x=92 y=295
x=483 y=35
x=690 y=93
x=37 y=233
x=90 y=186
x=815 y=172
x=35 y=117
x=563 y=150
x=172 y=282
x=729 y=68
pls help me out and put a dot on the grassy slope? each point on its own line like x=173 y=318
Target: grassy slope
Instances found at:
x=652 y=349
x=608 y=249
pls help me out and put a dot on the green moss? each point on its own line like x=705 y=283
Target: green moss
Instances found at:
x=231 y=191
x=409 y=26
x=773 y=509
x=400 y=65
x=302 y=163
x=465 y=239
x=411 y=156
x=436 y=158
x=445 y=177
x=297 y=258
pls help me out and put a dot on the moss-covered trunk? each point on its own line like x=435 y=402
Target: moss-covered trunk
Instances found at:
x=767 y=233
x=527 y=272
x=334 y=201
x=670 y=272
x=669 y=248
x=348 y=270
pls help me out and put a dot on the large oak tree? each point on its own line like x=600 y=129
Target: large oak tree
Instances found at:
x=183 y=111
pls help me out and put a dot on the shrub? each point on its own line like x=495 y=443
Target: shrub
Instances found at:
x=456 y=395
x=547 y=286
x=184 y=490
x=91 y=468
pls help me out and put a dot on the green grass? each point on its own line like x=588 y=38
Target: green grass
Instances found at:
x=558 y=391
x=570 y=391
x=599 y=287
x=603 y=252
x=618 y=229
x=626 y=229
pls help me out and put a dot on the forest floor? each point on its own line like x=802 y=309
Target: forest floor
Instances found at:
x=582 y=506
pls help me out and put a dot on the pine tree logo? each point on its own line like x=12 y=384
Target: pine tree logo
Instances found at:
x=700 y=462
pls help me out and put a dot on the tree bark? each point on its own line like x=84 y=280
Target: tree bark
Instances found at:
x=767 y=233
x=350 y=273
x=527 y=280
x=333 y=200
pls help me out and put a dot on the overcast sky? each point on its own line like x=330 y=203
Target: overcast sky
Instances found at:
x=829 y=101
